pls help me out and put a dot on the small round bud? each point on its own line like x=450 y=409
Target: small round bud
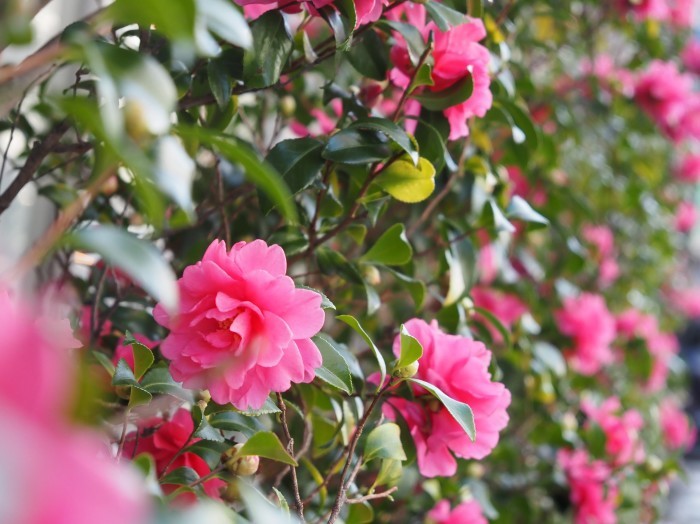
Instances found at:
x=654 y=464
x=136 y=125
x=231 y=493
x=372 y=275
x=476 y=470
x=407 y=371
x=110 y=186
x=242 y=466
x=288 y=106
x=205 y=395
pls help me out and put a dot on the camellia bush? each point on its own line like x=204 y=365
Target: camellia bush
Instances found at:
x=348 y=261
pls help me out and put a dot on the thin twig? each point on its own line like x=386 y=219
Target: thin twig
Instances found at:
x=373 y=496
x=290 y=447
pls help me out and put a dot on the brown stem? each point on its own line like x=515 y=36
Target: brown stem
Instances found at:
x=290 y=447
x=409 y=88
x=373 y=496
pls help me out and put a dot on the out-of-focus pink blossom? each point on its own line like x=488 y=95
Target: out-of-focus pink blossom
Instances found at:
x=465 y=513
x=667 y=96
x=610 y=77
x=686 y=216
x=55 y=473
x=689 y=169
x=459 y=367
x=534 y=194
x=163 y=440
x=588 y=322
x=676 y=427
x=601 y=237
x=686 y=301
x=633 y=323
x=243 y=329
x=366 y=10
x=645 y=9
x=322 y=123
x=662 y=347
x=681 y=12
x=691 y=56
x=621 y=429
x=593 y=492
x=505 y=307
x=456 y=55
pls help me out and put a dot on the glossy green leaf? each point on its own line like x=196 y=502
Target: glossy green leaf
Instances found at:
x=332 y=262
x=475 y=8
x=354 y=324
x=461 y=412
x=173 y=19
x=259 y=509
x=272 y=45
x=341 y=18
x=123 y=376
x=412 y=36
x=298 y=160
x=496 y=323
x=268 y=408
x=158 y=381
x=137 y=258
x=519 y=209
x=219 y=82
x=392 y=248
x=268 y=445
x=334 y=370
x=461 y=261
x=389 y=474
x=411 y=349
x=415 y=287
x=493 y=217
x=454 y=95
x=354 y=146
x=444 y=17
x=392 y=131
x=181 y=477
x=224 y=20
x=369 y=56
x=202 y=428
x=384 y=442
x=143 y=356
x=406 y=182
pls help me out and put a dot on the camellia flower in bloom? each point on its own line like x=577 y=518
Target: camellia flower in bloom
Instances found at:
x=466 y=512
x=593 y=494
x=686 y=216
x=506 y=307
x=691 y=56
x=602 y=238
x=621 y=429
x=645 y=9
x=587 y=320
x=163 y=440
x=456 y=55
x=459 y=367
x=52 y=472
x=689 y=169
x=366 y=10
x=243 y=329
x=676 y=427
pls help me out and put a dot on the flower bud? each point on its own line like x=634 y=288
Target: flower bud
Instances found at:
x=288 y=106
x=242 y=466
x=372 y=275
x=407 y=371
x=136 y=125
x=231 y=493
x=110 y=186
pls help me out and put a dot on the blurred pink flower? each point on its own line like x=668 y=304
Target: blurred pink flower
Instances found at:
x=465 y=513
x=322 y=123
x=505 y=307
x=610 y=77
x=366 y=10
x=686 y=301
x=681 y=12
x=676 y=427
x=534 y=194
x=662 y=347
x=54 y=473
x=689 y=169
x=459 y=367
x=633 y=323
x=645 y=9
x=163 y=440
x=601 y=237
x=588 y=322
x=593 y=493
x=621 y=429
x=243 y=330
x=457 y=54
x=691 y=56
x=686 y=216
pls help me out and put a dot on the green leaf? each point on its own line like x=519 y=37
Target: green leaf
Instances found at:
x=284 y=505
x=406 y=182
x=334 y=370
x=415 y=287
x=444 y=17
x=202 y=428
x=361 y=513
x=123 y=376
x=461 y=412
x=495 y=322
x=173 y=19
x=137 y=258
x=143 y=356
x=158 y=381
x=392 y=248
x=219 y=82
x=233 y=421
x=475 y=8
x=354 y=146
x=492 y=216
x=331 y=262
x=298 y=160
x=268 y=408
x=266 y=444
x=412 y=36
x=384 y=442
x=392 y=131
x=389 y=474
x=272 y=45
x=104 y=362
x=411 y=349
x=221 y=18
x=181 y=477
x=341 y=18
x=519 y=209
x=354 y=324
x=461 y=260
x=440 y=100
x=258 y=507
x=370 y=56
x=257 y=171
x=550 y=357
x=522 y=128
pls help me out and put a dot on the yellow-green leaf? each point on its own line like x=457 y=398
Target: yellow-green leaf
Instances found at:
x=407 y=182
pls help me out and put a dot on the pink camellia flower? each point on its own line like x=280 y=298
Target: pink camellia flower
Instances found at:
x=621 y=429
x=459 y=367
x=466 y=512
x=243 y=330
x=52 y=472
x=677 y=430
x=681 y=12
x=588 y=322
x=691 y=56
x=593 y=492
x=685 y=301
x=522 y=187
x=686 y=216
x=456 y=55
x=601 y=237
x=163 y=440
x=366 y=10
x=633 y=323
x=689 y=169
x=645 y=9
x=610 y=77
x=505 y=307
x=667 y=96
